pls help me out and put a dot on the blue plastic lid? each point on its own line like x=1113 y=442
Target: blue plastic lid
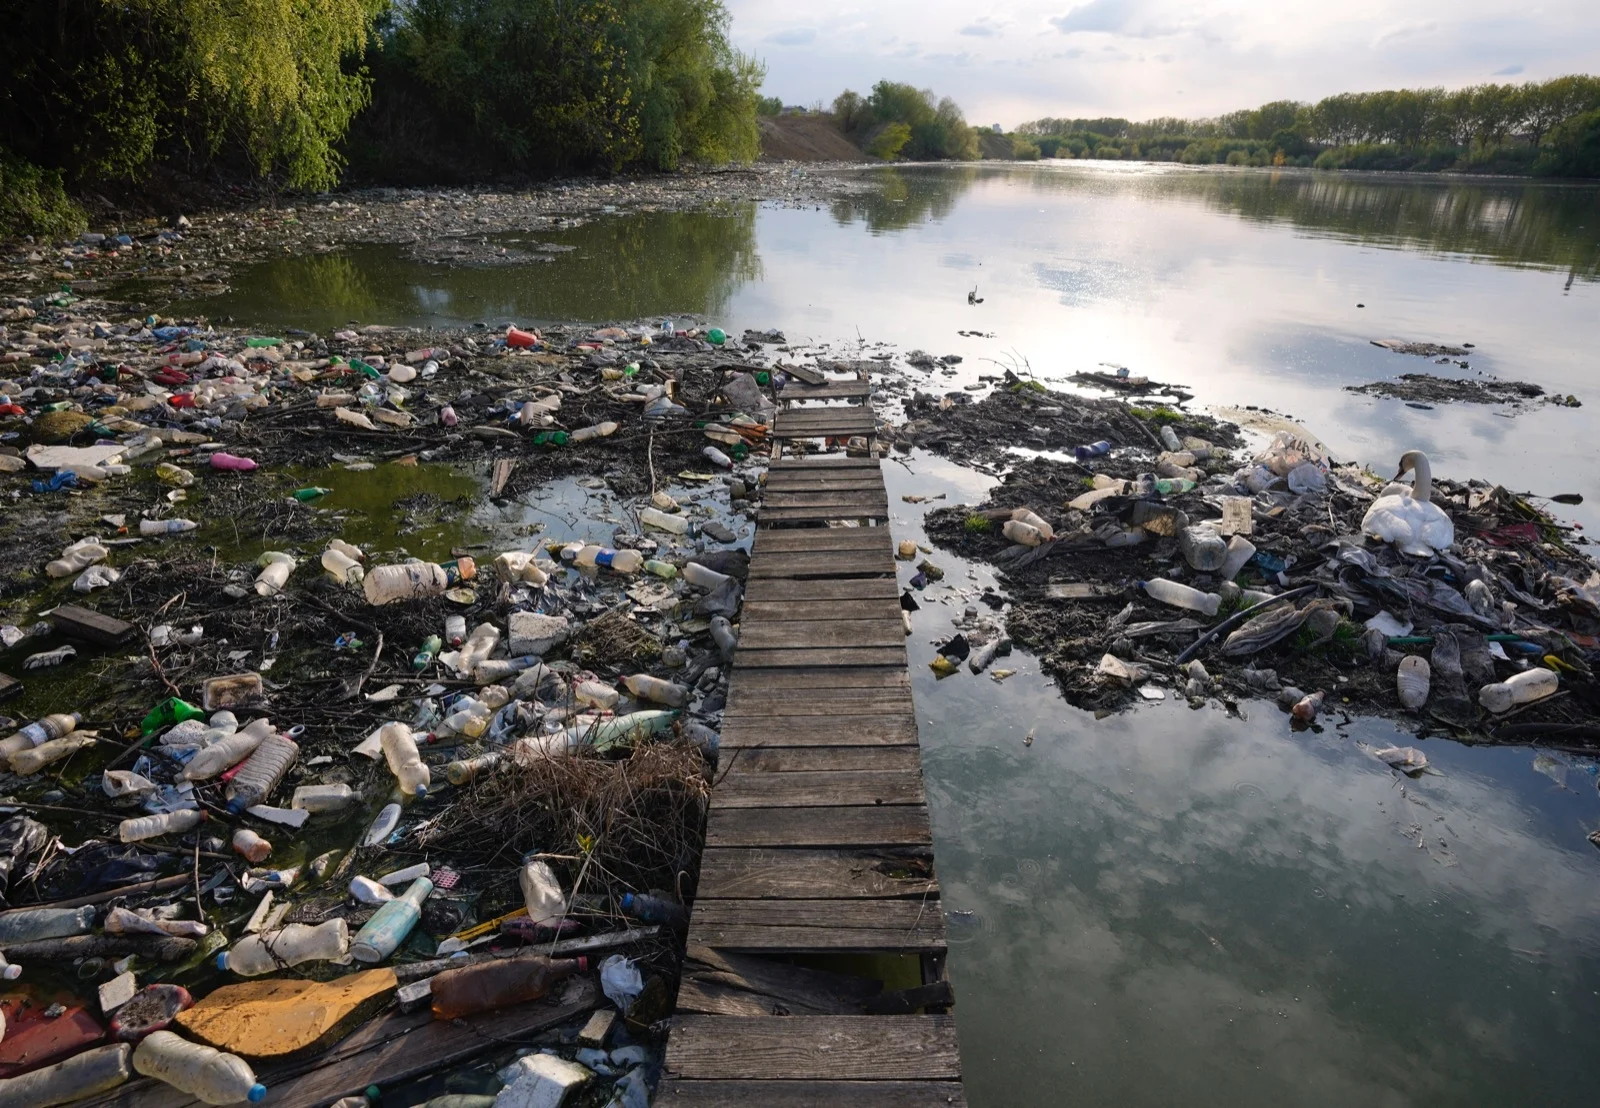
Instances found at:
x=222 y=959
x=236 y=806
x=257 y=1091
x=627 y=901
x=422 y=791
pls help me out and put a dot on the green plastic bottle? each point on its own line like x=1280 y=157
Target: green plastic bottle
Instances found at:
x=168 y=713
x=550 y=438
x=364 y=369
x=256 y=342
x=430 y=650
x=310 y=493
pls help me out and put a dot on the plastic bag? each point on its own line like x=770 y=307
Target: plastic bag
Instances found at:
x=20 y=837
x=621 y=981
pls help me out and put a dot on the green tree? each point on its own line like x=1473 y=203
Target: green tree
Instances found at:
x=1573 y=148
x=889 y=140
x=769 y=106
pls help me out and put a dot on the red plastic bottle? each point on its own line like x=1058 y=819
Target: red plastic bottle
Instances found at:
x=500 y=983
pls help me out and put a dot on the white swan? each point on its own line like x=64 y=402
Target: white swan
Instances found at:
x=1406 y=517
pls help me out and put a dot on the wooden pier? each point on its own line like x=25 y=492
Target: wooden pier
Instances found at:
x=817 y=841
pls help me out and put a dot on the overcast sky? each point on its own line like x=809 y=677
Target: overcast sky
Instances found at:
x=1141 y=58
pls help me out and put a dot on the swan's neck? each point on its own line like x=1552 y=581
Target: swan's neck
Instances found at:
x=1423 y=488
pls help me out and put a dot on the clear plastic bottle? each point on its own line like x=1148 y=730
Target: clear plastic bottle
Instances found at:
x=469 y=716
x=323 y=798
x=499 y=984
x=1023 y=515
x=33 y=760
x=541 y=892
x=658 y=568
x=261 y=772
x=716 y=457
x=646 y=687
x=498 y=669
x=262 y=953
x=83 y=1075
x=252 y=846
x=1181 y=596
x=26 y=925
x=201 y=1071
x=276 y=568
x=382 y=935
x=1522 y=688
x=663 y=521
x=415 y=580
x=341 y=567
x=598 y=431
x=479 y=645
x=140 y=828
x=228 y=751
x=165 y=526
x=722 y=634
x=596 y=694
x=520 y=565
x=400 y=751
x=455 y=629
x=1203 y=548
x=620 y=561
x=701 y=577
x=40 y=732
x=466 y=770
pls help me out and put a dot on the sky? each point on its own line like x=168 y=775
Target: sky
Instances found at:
x=1143 y=58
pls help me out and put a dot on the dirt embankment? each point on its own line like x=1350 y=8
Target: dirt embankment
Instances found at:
x=993 y=147
x=806 y=138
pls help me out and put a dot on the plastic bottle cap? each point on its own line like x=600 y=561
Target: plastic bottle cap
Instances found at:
x=236 y=806
x=257 y=1091
x=373 y=1092
x=627 y=901
x=222 y=959
x=422 y=791
x=11 y=973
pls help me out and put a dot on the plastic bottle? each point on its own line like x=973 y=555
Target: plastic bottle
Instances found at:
x=447 y=416
x=645 y=687
x=1305 y=710
x=1240 y=551
x=1093 y=450
x=400 y=751
x=1169 y=438
x=596 y=694
x=1412 y=681
x=323 y=798
x=33 y=760
x=220 y=460
x=387 y=929
x=267 y=951
x=541 y=892
x=39 y=732
x=698 y=575
x=621 y=730
x=1181 y=596
x=1024 y=533
x=468 y=716
x=455 y=628
x=367 y=891
x=227 y=752
x=1523 y=688
x=479 y=645
x=254 y=848
x=169 y=712
x=8 y=972
x=415 y=580
x=653 y=909
x=404 y=876
x=465 y=771
x=722 y=634
x=717 y=457
x=77 y=558
x=165 y=526
x=598 y=431
x=140 y=828
x=430 y=651
x=261 y=772
x=26 y=925
x=501 y=983
x=341 y=567
x=518 y=565
x=310 y=493
x=1023 y=515
x=1203 y=548
x=663 y=521
x=79 y=1077
x=620 y=561
x=498 y=669
x=382 y=826
x=201 y=1071
x=658 y=568
x=276 y=568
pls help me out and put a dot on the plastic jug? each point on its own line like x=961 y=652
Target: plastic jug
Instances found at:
x=276 y=568
x=1020 y=532
x=541 y=892
x=201 y=1071
x=400 y=751
x=341 y=567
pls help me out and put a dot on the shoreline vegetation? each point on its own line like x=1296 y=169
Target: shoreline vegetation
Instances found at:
x=154 y=106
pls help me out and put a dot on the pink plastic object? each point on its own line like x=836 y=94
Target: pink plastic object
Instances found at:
x=152 y=1008
x=447 y=416
x=232 y=461
x=515 y=337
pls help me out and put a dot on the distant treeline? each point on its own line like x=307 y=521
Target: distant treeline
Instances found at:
x=898 y=120
x=1550 y=127
x=99 y=97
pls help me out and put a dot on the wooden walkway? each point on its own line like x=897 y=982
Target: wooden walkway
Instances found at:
x=817 y=841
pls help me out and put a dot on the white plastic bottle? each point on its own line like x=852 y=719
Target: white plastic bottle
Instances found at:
x=400 y=751
x=479 y=645
x=323 y=798
x=341 y=567
x=1523 y=688
x=663 y=521
x=1240 y=551
x=541 y=891
x=165 y=526
x=1023 y=515
x=455 y=630
x=646 y=687
x=255 y=955
x=36 y=758
x=83 y=1075
x=140 y=828
x=598 y=431
x=276 y=568
x=201 y=1071
x=26 y=925
x=1025 y=533
x=252 y=846
x=261 y=772
x=469 y=716
x=1182 y=596
x=414 y=580
x=349 y=550
x=717 y=457
x=227 y=751
x=620 y=561
x=698 y=575
x=39 y=732
x=498 y=669
x=519 y=565
x=596 y=694
x=77 y=558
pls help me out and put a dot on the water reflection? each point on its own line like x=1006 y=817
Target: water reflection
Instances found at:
x=906 y=197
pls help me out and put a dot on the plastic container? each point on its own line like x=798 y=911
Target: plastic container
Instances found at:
x=1181 y=596
x=701 y=577
x=1412 y=680
x=1024 y=533
x=266 y=952
x=382 y=935
x=596 y=694
x=455 y=627
x=323 y=798
x=1023 y=515
x=1093 y=450
x=166 y=526
x=468 y=716
x=261 y=772
x=367 y=891
x=232 y=691
x=515 y=566
x=382 y=826
x=646 y=687
x=1240 y=551
x=140 y=828
x=227 y=752
x=541 y=892
x=498 y=669
x=499 y=984
x=428 y=654
x=201 y=1071
x=1169 y=438
x=656 y=567
x=405 y=876
x=220 y=460
x=400 y=751
x=342 y=568
x=722 y=634
x=415 y=580
x=8 y=972
x=466 y=770
x=39 y=732
x=25 y=762
x=1203 y=548
x=1523 y=688
x=662 y=521
x=151 y=1009
x=276 y=568
x=620 y=561
x=254 y=848
x=26 y=925
x=653 y=909
x=83 y=1075
x=77 y=558
x=598 y=431
x=479 y=645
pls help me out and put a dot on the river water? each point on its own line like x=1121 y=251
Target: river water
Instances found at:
x=1174 y=906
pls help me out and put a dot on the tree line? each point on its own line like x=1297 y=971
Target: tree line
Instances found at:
x=97 y=95
x=1547 y=127
x=897 y=120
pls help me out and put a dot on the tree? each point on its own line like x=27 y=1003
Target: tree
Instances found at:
x=769 y=106
x=889 y=140
x=849 y=111
x=1573 y=148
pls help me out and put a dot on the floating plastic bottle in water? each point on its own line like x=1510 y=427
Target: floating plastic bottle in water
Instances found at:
x=140 y=828
x=702 y=577
x=201 y=1071
x=268 y=951
x=261 y=772
x=663 y=521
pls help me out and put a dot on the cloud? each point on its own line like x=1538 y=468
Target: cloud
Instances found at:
x=1117 y=17
x=986 y=27
x=1508 y=71
x=795 y=36
x=1406 y=31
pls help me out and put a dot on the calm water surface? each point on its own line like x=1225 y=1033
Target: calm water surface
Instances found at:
x=1171 y=906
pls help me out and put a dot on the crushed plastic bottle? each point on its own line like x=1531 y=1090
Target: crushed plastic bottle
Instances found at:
x=292 y=945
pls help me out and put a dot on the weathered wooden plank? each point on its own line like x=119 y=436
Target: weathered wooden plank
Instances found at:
x=834 y=656
x=799 y=416
x=825 y=461
x=823 y=610
x=746 y=701
x=675 y=1093
x=777 y=589
x=832 y=390
x=732 y=873
x=817 y=790
x=826 y=513
x=730 y=984
x=838 y=564
x=816 y=759
x=880 y=677
x=846 y=503
x=756 y=635
x=90 y=626
x=809 y=540
x=889 y=825
x=891 y=730
x=839 y=430
x=872 y=1048
x=860 y=481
